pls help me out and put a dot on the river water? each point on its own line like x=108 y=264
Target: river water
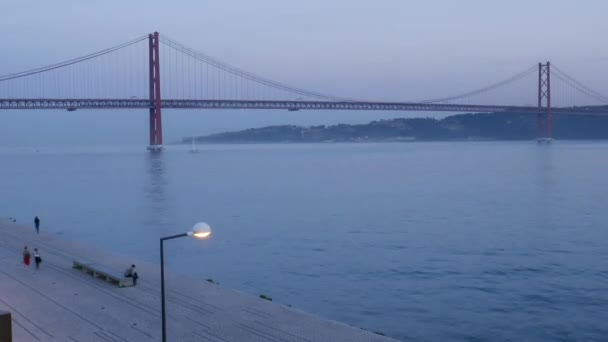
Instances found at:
x=466 y=241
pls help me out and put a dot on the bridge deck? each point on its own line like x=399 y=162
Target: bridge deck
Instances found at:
x=73 y=104
x=62 y=304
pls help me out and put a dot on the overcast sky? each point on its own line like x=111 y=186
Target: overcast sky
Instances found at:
x=382 y=49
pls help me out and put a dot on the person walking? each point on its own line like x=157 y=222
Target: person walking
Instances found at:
x=26 y=256
x=37 y=224
x=37 y=258
x=130 y=273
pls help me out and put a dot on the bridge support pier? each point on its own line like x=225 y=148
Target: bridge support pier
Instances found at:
x=544 y=103
x=156 y=127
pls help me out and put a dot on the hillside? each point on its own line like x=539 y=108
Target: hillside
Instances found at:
x=497 y=126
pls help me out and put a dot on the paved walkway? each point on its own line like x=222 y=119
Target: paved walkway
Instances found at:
x=58 y=303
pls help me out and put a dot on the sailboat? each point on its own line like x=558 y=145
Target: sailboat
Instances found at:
x=194 y=148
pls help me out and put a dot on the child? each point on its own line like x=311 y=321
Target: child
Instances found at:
x=37 y=258
x=26 y=256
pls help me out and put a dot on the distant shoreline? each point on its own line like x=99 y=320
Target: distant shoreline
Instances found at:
x=462 y=127
x=375 y=142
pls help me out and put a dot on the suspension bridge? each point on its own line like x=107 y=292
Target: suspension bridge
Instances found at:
x=129 y=75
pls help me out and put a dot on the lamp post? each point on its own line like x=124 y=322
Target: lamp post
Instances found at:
x=200 y=230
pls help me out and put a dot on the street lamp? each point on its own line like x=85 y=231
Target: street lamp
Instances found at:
x=200 y=230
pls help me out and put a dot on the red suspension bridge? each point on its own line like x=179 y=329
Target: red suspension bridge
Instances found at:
x=128 y=76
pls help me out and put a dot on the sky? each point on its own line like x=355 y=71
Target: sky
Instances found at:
x=383 y=49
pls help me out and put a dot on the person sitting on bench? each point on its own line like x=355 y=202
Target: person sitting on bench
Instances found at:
x=130 y=273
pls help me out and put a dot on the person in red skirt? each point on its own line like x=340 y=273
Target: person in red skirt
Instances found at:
x=26 y=256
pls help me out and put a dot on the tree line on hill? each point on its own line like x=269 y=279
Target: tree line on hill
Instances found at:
x=487 y=126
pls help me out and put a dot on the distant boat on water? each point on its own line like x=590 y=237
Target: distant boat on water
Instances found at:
x=193 y=148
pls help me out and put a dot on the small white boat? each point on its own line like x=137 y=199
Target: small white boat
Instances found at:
x=155 y=148
x=194 y=148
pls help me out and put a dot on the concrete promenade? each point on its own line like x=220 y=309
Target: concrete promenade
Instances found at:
x=58 y=303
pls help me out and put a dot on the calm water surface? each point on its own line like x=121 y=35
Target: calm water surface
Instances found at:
x=423 y=241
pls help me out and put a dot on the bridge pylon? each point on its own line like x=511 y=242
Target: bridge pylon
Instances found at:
x=544 y=103
x=156 y=127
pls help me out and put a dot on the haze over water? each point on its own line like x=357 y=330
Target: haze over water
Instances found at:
x=422 y=241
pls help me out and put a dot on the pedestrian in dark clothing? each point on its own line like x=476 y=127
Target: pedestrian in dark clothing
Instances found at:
x=130 y=273
x=37 y=223
x=37 y=258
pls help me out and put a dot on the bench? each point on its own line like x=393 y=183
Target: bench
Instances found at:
x=99 y=271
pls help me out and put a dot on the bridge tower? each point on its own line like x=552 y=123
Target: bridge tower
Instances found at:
x=156 y=127
x=544 y=101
